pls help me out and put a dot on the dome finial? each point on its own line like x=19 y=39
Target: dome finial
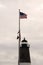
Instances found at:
x=24 y=40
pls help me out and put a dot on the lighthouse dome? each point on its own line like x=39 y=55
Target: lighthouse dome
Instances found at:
x=24 y=43
x=24 y=40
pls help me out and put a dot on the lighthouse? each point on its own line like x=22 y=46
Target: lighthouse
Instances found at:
x=24 y=53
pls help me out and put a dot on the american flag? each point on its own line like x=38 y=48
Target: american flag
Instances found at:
x=23 y=15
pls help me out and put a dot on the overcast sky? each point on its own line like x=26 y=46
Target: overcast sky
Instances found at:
x=31 y=28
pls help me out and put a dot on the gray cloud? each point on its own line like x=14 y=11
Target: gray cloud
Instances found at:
x=32 y=29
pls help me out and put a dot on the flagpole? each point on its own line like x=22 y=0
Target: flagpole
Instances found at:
x=19 y=27
x=19 y=36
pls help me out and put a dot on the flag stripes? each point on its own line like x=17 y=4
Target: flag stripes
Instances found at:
x=23 y=15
